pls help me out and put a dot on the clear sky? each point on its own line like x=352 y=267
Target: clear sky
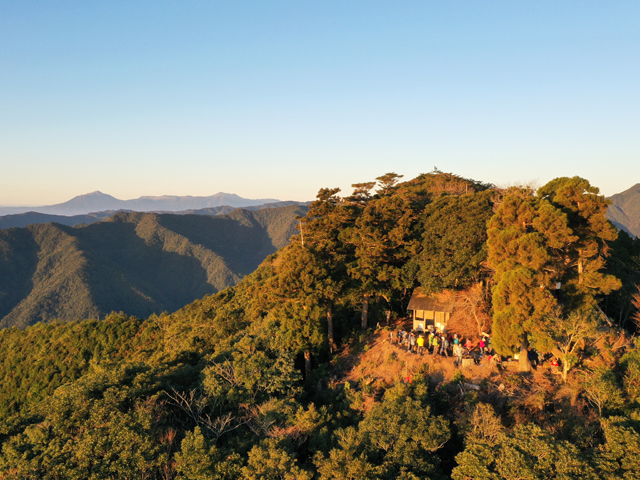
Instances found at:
x=279 y=99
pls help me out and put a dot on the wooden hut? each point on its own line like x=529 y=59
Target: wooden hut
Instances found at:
x=430 y=311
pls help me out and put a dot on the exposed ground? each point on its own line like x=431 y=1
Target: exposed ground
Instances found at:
x=377 y=364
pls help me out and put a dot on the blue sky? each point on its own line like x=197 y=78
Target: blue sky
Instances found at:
x=280 y=99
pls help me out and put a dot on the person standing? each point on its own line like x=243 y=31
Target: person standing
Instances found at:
x=444 y=349
x=482 y=345
x=458 y=352
x=468 y=345
x=420 y=344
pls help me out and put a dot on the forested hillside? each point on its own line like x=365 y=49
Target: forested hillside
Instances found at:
x=133 y=262
x=285 y=376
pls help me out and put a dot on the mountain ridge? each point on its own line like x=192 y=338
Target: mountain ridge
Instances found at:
x=28 y=218
x=98 y=201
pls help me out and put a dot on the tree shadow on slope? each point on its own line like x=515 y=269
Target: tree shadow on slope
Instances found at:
x=127 y=273
x=242 y=242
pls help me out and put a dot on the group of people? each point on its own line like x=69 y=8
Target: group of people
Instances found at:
x=435 y=343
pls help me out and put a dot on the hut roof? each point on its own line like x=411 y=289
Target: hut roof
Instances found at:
x=439 y=303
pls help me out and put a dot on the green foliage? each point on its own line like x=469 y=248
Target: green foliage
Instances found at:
x=602 y=390
x=270 y=461
x=454 y=241
x=396 y=438
x=199 y=460
x=41 y=358
x=527 y=452
x=95 y=428
x=568 y=335
x=630 y=364
x=250 y=372
x=623 y=263
x=619 y=456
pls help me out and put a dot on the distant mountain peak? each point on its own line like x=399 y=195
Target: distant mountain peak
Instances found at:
x=98 y=201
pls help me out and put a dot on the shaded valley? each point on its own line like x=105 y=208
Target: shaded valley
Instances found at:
x=139 y=263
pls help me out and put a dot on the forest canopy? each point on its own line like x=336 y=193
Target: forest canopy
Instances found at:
x=253 y=381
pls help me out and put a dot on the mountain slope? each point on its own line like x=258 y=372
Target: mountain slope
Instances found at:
x=624 y=210
x=140 y=263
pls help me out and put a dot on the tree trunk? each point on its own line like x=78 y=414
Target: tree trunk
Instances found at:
x=565 y=370
x=388 y=317
x=307 y=363
x=524 y=364
x=332 y=345
x=365 y=311
x=580 y=267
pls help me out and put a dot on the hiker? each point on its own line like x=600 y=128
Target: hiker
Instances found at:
x=494 y=360
x=420 y=342
x=481 y=345
x=476 y=356
x=434 y=342
x=458 y=352
x=533 y=357
x=444 y=349
x=456 y=340
x=412 y=342
x=391 y=337
x=468 y=345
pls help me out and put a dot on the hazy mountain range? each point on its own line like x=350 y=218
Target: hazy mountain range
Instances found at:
x=24 y=219
x=139 y=263
x=99 y=202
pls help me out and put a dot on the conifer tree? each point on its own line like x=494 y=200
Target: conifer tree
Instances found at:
x=537 y=242
x=324 y=252
x=580 y=262
x=384 y=239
